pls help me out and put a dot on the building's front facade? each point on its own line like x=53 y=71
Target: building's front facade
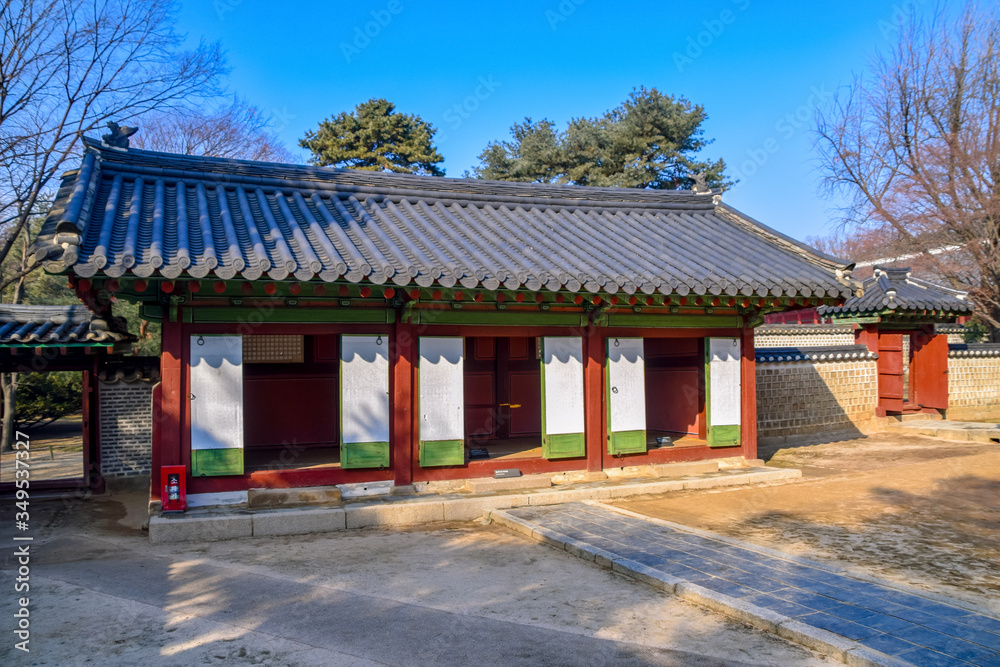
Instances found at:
x=326 y=326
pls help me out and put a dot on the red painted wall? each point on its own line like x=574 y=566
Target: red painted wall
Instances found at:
x=674 y=394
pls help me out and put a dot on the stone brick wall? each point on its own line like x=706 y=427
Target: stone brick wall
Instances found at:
x=974 y=387
x=807 y=397
x=126 y=428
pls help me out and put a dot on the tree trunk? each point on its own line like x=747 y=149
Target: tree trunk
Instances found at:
x=8 y=382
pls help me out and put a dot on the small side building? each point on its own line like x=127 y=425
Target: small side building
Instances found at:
x=896 y=318
x=47 y=339
x=325 y=326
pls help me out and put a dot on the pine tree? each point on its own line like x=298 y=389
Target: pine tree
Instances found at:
x=375 y=138
x=650 y=141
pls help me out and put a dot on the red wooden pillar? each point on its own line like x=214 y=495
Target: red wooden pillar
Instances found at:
x=91 y=472
x=702 y=393
x=171 y=411
x=154 y=478
x=593 y=399
x=402 y=408
x=867 y=335
x=748 y=384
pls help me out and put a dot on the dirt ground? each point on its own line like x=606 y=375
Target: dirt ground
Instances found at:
x=915 y=510
x=56 y=451
x=458 y=594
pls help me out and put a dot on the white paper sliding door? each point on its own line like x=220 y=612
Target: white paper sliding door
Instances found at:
x=364 y=401
x=563 y=423
x=216 y=400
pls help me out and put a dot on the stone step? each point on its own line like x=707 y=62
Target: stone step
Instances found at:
x=417 y=509
x=949 y=430
x=919 y=416
x=306 y=495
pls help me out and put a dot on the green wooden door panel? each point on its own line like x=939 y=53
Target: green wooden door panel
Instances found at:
x=364 y=455
x=564 y=446
x=627 y=442
x=216 y=462
x=441 y=453
x=724 y=436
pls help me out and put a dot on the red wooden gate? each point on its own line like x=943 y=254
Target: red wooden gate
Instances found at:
x=890 y=372
x=929 y=370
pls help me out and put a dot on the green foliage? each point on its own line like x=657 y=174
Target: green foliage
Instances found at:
x=650 y=141
x=146 y=333
x=375 y=138
x=45 y=397
x=976 y=331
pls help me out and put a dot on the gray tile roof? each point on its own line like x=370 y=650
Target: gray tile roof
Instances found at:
x=147 y=214
x=802 y=329
x=830 y=353
x=28 y=326
x=895 y=290
x=974 y=350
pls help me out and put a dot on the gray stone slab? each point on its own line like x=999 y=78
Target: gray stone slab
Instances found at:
x=489 y=485
x=311 y=495
x=394 y=514
x=833 y=613
x=187 y=528
x=467 y=509
x=299 y=522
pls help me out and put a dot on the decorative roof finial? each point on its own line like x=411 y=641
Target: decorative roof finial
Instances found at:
x=118 y=137
x=700 y=184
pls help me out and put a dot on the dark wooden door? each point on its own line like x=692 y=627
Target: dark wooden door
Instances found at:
x=929 y=370
x=502 y=388
x=890 y=371
x=523 y=391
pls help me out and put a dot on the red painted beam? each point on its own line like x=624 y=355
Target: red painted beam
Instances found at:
x=402 y=361
x=593 y=398
x=748 y=390
x=171 y=396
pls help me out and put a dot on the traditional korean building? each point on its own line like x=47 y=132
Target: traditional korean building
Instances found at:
x=45 y=339
x=325 y=326
x=896 y=317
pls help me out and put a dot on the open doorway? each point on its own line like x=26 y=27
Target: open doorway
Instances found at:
x=291 y=405
x=49 y=411
x=503 y=399
x=675 y=392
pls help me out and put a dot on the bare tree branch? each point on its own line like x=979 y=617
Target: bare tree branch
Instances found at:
x=914 y=144
x=69 y=66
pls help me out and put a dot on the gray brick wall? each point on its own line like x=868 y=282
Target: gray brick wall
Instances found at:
x=803 y=397
x=126 y=428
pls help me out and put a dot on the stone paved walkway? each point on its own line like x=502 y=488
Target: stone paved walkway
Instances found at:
x=911 y=628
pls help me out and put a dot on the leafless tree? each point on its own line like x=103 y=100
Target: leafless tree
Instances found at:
x=914 y=144
x=235 y=130
x=69 y=66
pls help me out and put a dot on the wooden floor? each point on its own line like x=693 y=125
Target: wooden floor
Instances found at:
x=291 y=458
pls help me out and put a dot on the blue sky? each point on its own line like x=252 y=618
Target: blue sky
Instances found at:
x=472 y=69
